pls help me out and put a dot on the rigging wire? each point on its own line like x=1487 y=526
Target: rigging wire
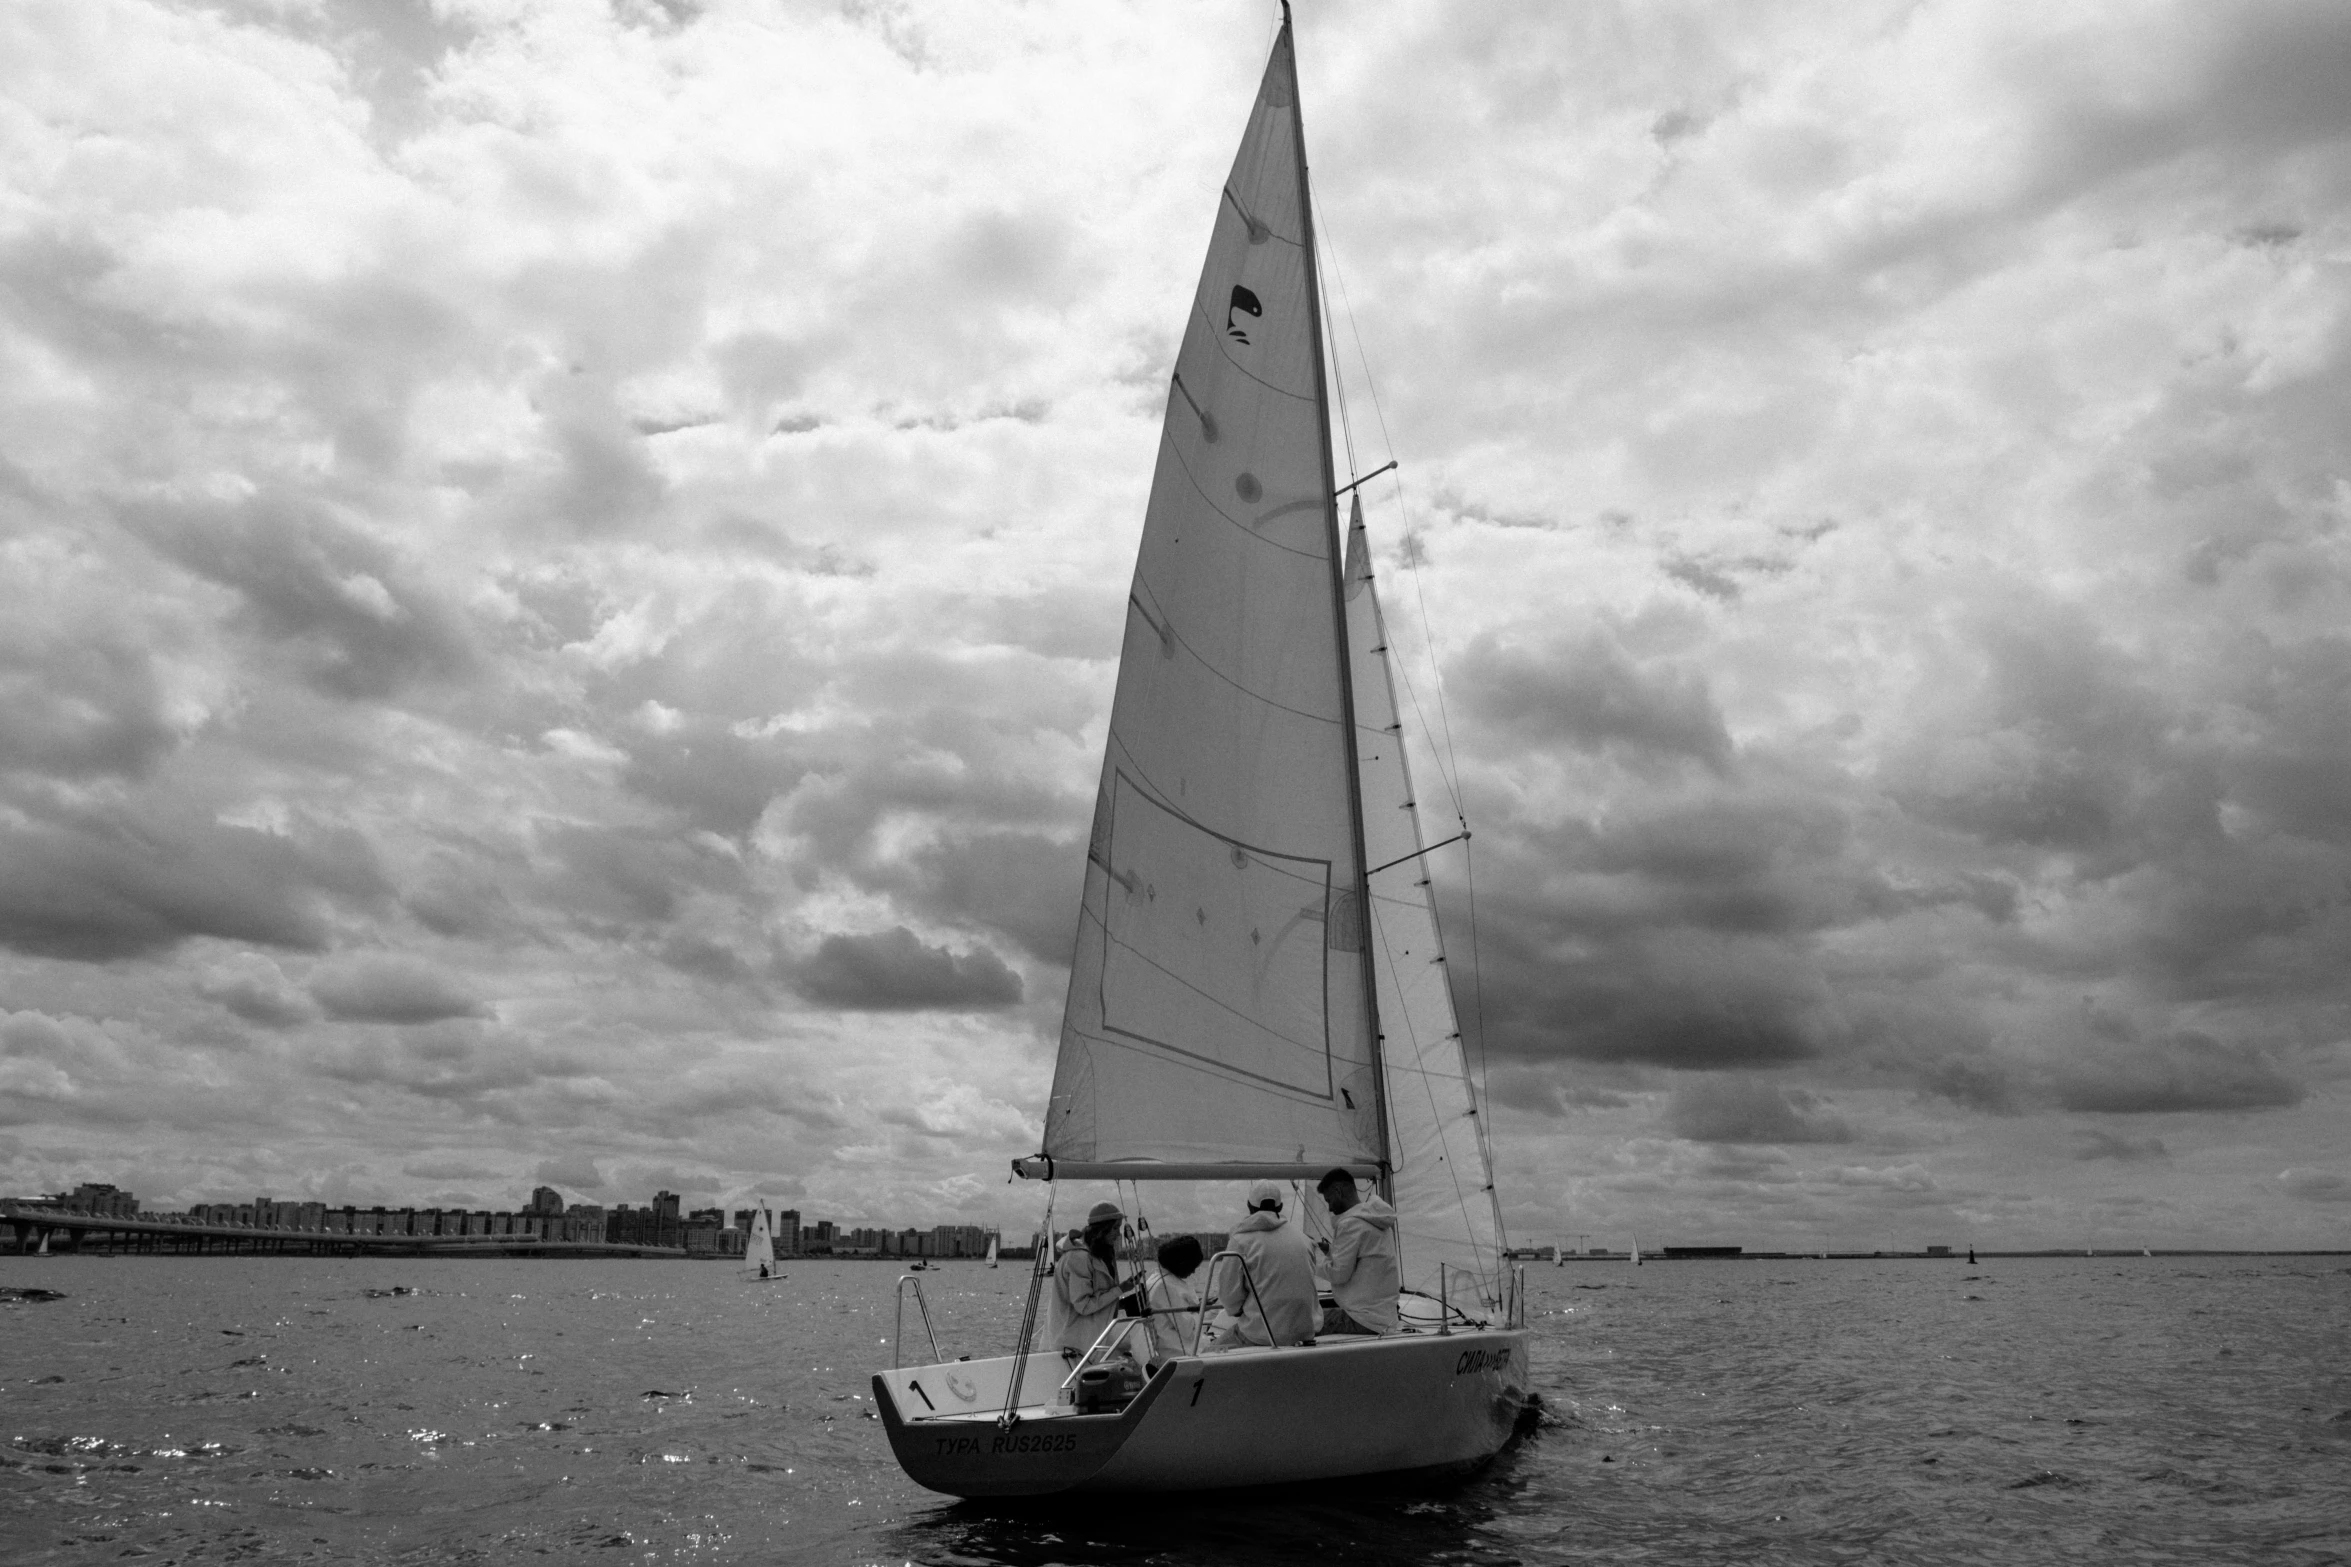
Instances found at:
x=1449 y=763
x=1338 y=380
x=1449 y=767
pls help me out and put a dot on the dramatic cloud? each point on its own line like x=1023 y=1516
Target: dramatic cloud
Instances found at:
x=104 y=883
x=561 y=570
x=2317 y=1185
x=2186 y=1072
x=2090 y=1143
x=578 y=1175
x=1589 y=696
x=895 y=971
x=1746 y=1110
x=390 y=990
x=256 y=990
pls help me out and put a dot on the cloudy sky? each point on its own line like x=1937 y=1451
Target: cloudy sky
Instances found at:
x=560 y=562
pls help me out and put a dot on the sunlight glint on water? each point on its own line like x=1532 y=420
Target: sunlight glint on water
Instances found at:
x=2077 y=1409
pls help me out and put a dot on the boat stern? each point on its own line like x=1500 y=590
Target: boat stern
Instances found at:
x=977 y=1454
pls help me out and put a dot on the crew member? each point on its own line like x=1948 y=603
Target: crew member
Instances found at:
x=1085 y=1282
x=1273 y=1302
x=1361 y=1255
x=1172 y=1291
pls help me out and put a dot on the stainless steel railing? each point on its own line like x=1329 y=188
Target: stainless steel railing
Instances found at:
x=898 y=1329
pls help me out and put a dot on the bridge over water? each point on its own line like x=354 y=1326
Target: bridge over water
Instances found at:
x=37 y=1227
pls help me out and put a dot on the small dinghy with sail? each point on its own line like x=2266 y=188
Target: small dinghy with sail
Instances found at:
x=1258 y=990
x=759 y=1251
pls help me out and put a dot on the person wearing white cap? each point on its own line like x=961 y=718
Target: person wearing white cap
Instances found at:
x=1276 y=1302
x=1085 y=1283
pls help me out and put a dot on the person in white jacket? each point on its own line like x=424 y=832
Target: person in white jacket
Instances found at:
x=1275 y=1302
x=1172 y=1290
x=1362 y=1258
x=1086 y=1284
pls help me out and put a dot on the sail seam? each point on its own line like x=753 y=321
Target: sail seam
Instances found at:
x=1193 y=1061
x=1206 y=310
x=1250 y=221
x=1202 y=661
x=1245 y=529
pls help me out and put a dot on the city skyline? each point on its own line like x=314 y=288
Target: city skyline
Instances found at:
x=660 y=1222
x=565 y=565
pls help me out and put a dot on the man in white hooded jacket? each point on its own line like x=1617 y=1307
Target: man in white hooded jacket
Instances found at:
x=1361 y=1255
x=1276 y=1304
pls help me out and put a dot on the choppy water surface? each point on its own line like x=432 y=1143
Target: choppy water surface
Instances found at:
x=265 y=1410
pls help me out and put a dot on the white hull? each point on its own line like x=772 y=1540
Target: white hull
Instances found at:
x=1344 y=1408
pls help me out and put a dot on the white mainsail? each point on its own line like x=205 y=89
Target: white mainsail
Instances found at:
x=1218 y=1011
x=1444 y=1183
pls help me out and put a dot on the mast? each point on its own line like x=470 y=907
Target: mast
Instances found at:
x=1346 y=656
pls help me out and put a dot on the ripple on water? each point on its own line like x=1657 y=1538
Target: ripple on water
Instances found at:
x=1691 y=1413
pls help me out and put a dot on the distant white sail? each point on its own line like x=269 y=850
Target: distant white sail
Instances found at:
x=1444 y=1179
x=759 y=1249
x=1217 y=1001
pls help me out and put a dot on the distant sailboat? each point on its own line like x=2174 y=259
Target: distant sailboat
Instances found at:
x=759 y=1252
x=1636 y=1251
x=1559 y=1253
x=991 y=1251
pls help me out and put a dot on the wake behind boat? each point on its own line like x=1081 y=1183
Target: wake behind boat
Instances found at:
x=1258 y=990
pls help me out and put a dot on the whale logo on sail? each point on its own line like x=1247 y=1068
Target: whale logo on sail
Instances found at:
x=1243 y=300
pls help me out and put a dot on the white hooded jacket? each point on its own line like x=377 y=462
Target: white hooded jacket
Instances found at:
x=1365 y=1274
x=1281 y=1308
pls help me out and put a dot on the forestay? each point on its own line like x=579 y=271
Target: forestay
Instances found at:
x=1218 y=1009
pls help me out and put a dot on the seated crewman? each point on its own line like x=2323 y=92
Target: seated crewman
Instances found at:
x=1274 y=1302
x=1362 y=1258
x=1173 y=1293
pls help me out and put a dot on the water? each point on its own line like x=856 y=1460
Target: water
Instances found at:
x=266 y=1410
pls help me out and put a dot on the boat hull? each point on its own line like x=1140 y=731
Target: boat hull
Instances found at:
x=1341 y=1409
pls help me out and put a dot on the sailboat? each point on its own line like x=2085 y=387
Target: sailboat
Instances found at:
x=759 y=1252
x=991 y=1251
x=1258 y=989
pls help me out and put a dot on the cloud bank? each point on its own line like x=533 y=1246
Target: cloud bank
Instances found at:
x=563 y=564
